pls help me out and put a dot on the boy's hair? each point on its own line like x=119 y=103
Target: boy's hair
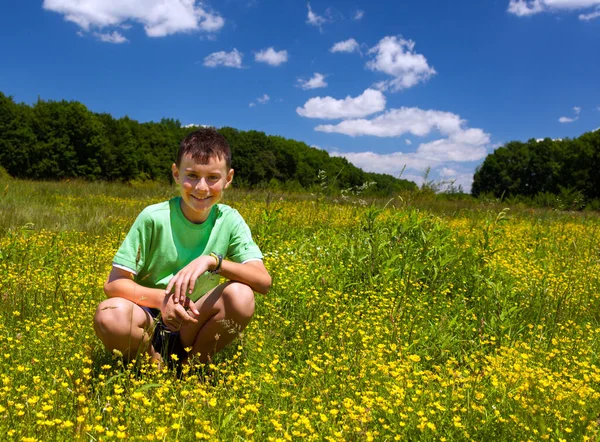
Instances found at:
x=204 y=144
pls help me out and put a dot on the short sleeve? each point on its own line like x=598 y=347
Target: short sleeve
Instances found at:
x=241 y=245
x=134 y=250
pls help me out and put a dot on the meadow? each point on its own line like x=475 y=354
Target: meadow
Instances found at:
x=387 y=320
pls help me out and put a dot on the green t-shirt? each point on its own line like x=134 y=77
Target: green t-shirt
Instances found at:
x=162 y=241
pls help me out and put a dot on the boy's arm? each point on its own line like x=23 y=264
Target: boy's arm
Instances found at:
x=253 y=274
x=120 y=284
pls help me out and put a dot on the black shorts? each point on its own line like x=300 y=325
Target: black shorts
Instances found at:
x=165 y=341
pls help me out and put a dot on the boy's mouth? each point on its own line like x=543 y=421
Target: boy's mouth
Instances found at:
x=200 y=199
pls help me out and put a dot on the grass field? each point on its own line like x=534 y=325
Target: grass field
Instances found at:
x=403 y=322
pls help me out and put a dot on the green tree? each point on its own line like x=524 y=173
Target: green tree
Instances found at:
x=62 y=139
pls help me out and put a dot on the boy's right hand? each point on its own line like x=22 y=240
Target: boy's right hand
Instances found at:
x=184 y=281
x=174 y=316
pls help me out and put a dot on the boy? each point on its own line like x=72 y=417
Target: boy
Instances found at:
x=170 y=262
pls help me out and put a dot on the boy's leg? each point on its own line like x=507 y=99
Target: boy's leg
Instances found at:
x=122 y=325
x=224 y=313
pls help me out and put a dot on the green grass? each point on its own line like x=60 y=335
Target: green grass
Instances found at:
x=410 y=319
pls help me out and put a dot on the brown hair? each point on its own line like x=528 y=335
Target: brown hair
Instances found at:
x=204 y=144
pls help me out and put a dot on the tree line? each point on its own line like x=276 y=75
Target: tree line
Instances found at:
x=540 y=168
x=63 y=139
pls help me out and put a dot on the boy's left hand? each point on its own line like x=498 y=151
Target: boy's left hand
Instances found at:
x=184 y=281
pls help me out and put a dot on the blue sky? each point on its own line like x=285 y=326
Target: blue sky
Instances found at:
x=419 y=83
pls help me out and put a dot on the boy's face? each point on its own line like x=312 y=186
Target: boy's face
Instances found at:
x=201 y=185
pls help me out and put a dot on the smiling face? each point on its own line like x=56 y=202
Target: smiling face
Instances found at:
x=201 y=185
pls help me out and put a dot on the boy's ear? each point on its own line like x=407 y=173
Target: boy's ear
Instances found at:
x=175 y=172
x=229 y=178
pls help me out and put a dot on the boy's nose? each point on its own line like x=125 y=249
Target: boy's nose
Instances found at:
x=202 y=184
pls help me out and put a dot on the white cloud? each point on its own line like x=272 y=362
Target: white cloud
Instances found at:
x=577 y=111
x=260 y=100
x=349 y=45
x=359 y=14
x=448 y=173
x=391 y=163
x=417 y=179
x=159 y=17
x=197 y=125
x=524 y=8
x=590 y=16
x=114 y=37
x=464 y=180
x=317 y=81
x=369 y=102
x=231 y=59
x=314 y=19
x=264 y=99
x=210 y=22
x=567 y=119
x=396 y=122
x=408 y=142
x=271 y=56
x=412 y=167
x=455 y=149
x=458 y=145
x=396 y=57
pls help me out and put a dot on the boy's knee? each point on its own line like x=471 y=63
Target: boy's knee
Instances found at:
x=112 y=315
x=240 y=298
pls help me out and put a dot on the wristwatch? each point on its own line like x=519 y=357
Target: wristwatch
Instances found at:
x=219 y=259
